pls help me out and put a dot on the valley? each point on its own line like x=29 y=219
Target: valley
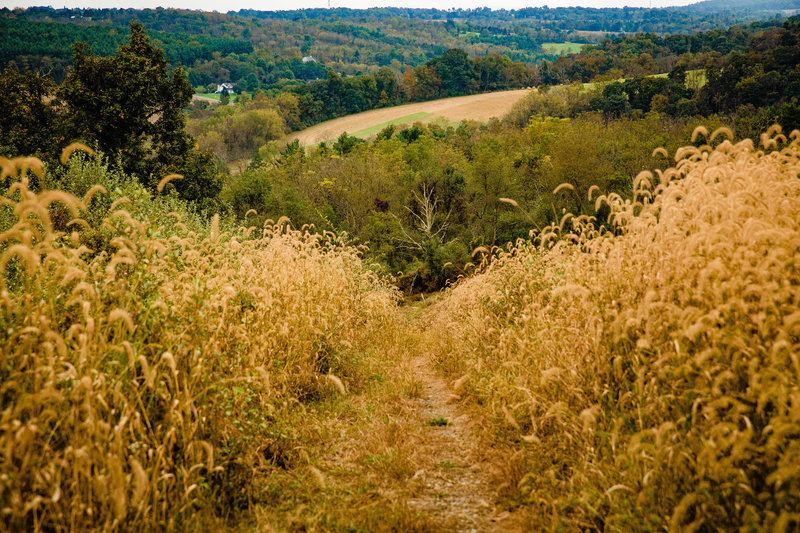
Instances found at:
x=411 y=270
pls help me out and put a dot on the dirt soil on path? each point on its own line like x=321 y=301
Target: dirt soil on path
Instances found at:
x=455 y=486
x=402 y=455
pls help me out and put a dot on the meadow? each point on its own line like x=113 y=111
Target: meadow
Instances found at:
x=478 y=107
x=155 y=363
x=562 y=48
x=208 y=96
x=634 y=369
x=637 y=369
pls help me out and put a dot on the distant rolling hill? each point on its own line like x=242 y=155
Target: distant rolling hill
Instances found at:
x=758 y=6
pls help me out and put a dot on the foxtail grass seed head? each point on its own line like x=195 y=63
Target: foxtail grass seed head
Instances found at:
x=639 y=371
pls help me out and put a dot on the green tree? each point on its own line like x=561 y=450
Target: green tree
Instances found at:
x=29 y=123
x=346 y=143
x=130 y=105
x=456 y=71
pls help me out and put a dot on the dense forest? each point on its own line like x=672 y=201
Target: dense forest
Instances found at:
x=214 y=48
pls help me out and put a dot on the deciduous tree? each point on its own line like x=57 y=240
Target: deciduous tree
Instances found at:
x=130 y=105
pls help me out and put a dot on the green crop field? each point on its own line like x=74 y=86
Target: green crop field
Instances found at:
x=694 y=78
x=562 y=48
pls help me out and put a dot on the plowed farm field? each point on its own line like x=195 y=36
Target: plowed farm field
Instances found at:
x=480 y=107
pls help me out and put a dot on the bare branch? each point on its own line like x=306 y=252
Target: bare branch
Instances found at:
x=425 y=220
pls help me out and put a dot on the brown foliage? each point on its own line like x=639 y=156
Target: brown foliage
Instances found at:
x=644 y=374
x=141 y=385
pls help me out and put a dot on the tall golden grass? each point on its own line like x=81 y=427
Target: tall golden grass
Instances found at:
x=643 y=373
x=143 y=382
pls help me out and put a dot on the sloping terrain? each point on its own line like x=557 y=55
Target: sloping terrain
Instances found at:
x=480 y=107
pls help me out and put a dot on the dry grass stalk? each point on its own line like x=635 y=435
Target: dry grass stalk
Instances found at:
x=643 y=371
x=166 y=179
x=142 y=381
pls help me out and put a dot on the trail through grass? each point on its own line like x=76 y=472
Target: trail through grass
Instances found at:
x=182 y=375
x=455 y=482
x=399 y=456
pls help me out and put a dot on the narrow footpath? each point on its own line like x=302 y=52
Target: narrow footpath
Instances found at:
x=454 y=486
x=403 y=455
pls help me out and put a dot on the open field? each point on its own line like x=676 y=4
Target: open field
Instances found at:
x=372 y=130
x=599 y=34
x=207 y=97
x=480 y=107
x=562 y=48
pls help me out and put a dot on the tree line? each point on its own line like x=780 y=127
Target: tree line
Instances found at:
x=47 y=46
x=453 y=73
x=263 y=50
x=628 y=19
x=758 y=85
x=128 y=106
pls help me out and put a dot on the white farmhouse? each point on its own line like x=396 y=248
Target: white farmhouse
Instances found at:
x=223 y=87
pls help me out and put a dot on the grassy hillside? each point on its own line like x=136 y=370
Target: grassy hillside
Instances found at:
x=158 y=368
x=634 y=369
x=637 y=369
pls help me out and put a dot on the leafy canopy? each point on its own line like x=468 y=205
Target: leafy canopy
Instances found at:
x=130 y=105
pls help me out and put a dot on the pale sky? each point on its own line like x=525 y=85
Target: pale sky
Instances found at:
x=270 y=5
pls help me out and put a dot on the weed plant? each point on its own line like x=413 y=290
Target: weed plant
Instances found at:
x=151 y=360
x=643 y=374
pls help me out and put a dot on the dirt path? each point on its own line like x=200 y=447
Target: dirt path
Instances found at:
x=454 y=487
x=205 y=99
x=403 y=454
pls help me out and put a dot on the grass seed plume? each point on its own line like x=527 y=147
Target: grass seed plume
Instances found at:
x=145 y=379
x=638 y=369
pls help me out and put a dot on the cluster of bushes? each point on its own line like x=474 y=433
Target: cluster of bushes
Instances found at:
x=422 y=198
x=236 y=132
